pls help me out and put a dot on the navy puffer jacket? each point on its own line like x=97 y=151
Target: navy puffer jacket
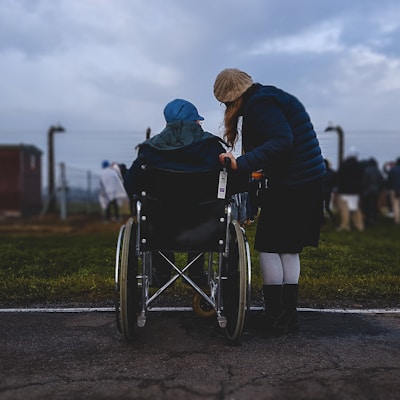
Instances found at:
x=279 y=138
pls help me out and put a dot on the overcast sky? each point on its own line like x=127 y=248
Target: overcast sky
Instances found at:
x=105 y=69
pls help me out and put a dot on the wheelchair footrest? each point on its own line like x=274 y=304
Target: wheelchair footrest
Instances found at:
x=222 y=321
x=141 y=321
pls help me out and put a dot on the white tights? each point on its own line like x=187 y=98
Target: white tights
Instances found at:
x=277 y=269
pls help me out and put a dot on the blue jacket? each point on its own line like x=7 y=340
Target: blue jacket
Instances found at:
x=181 y=146
x=279 y=138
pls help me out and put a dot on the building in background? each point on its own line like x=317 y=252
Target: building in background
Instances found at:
x=20 y=180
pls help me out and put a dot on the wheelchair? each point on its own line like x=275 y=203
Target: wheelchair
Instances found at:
x=181 y=212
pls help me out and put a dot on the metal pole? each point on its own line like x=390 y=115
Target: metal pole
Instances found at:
x=50 y=149
x=338 y=129
x=148 y=134
x=50 y=144
x=63 y=193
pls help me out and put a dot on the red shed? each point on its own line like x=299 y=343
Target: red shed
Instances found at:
x=20 y=180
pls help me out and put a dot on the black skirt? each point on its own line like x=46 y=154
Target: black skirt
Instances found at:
x=290 y=218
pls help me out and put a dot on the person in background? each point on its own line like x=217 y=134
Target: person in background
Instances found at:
x=373 y=183
x=394 y=190
x=112 y=192
x=277 y=137
x=387 y=166
x=349 y=185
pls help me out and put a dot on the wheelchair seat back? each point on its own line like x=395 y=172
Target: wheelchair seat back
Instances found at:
x=181 y=211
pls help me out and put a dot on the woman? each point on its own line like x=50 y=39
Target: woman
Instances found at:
x=278 y=137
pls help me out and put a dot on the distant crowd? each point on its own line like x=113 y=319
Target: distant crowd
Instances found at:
x=360 y=192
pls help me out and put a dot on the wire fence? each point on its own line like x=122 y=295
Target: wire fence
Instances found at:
x=77 y=191
x=79 y=188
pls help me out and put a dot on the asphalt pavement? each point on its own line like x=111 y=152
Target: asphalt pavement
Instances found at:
x=178 y=355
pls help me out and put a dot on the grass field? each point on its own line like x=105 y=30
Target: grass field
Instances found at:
x=66 y=263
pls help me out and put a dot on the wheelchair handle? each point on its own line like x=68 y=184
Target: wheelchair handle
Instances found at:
x=227 y=162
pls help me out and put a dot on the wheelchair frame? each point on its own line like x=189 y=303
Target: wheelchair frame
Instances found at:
x=228 y=275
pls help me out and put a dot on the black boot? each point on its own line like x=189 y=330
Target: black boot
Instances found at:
x=287 y=321
x=273 y=304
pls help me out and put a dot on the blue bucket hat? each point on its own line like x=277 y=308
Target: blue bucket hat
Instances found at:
x=181 y=110
x=105 y=164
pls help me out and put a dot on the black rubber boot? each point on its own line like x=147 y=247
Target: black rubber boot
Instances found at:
x=273 y=304
x=287 y=321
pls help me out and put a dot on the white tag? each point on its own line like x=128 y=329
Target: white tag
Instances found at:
x=223 y=177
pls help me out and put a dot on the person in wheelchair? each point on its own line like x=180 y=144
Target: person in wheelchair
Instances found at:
x=182 y=145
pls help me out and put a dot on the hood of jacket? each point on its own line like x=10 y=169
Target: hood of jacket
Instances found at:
x=179 y=134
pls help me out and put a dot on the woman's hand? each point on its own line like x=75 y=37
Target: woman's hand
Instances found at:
x=222 y=157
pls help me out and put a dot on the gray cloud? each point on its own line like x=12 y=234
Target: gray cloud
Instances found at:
x=105 y=69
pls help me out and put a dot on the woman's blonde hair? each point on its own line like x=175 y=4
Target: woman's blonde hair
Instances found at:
x=231 y=121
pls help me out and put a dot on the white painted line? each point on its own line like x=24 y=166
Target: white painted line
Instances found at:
x=56 y=310
x=112 y=309
x=354 y=310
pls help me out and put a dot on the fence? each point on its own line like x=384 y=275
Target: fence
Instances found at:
x=77 y=191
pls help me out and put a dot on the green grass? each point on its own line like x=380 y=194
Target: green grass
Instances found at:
x=354 y=268
x=57 y=268
x=349 y=269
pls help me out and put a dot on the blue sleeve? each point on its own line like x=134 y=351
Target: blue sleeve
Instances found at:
x=268 y=126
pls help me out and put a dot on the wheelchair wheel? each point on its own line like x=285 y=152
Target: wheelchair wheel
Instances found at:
x=128 y=283
x=117 y=275
x=234 y=287
x=202 y=307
